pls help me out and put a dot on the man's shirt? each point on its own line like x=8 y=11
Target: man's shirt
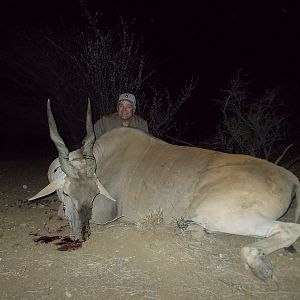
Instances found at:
x=108 y=123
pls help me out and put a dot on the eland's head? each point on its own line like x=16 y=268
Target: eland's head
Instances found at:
x=80 y=185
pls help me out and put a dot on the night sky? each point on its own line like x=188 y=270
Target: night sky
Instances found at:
x=206 y=39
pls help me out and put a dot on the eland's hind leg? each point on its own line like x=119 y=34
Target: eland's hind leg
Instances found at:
x=275 y=235
x=278 y=235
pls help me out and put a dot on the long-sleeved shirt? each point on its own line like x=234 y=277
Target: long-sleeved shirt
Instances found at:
x=108 y=123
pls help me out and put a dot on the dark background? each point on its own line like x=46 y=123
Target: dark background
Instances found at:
x=206 y=39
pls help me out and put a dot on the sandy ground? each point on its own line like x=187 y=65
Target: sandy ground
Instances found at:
x=121 y=261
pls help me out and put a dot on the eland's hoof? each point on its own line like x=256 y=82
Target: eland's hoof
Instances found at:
x=258 y=263
x=262 y=268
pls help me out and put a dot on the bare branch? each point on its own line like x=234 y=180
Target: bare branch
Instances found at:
x=250 y=125
x=282 y=155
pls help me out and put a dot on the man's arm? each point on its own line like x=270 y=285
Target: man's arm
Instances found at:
x=145 y=126
x=140 y=123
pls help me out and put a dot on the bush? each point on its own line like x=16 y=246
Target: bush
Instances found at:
x=254 y=126
x=113 y=63
x=70 y=65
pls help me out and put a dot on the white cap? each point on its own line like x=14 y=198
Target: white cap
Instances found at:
x=128 y=97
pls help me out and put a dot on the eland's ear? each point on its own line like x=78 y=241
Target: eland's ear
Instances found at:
x=49 y=189
x=103 y=191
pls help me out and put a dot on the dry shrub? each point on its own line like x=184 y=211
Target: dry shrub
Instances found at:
x=251 y=125
x=151 y=221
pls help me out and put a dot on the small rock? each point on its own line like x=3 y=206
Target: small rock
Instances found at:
x=25 y=186
x=69 y=295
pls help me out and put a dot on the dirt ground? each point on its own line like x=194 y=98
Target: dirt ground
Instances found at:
x=121 y=261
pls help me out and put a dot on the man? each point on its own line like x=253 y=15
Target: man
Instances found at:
x=123 y=117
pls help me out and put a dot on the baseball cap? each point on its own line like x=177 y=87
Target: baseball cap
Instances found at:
x=128 y=97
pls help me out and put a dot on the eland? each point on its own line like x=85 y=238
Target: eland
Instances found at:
x=127 y=172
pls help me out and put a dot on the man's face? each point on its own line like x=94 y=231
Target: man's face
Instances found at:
x=125 y=110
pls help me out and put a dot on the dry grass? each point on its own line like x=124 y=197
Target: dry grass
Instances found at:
x=150 y=221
